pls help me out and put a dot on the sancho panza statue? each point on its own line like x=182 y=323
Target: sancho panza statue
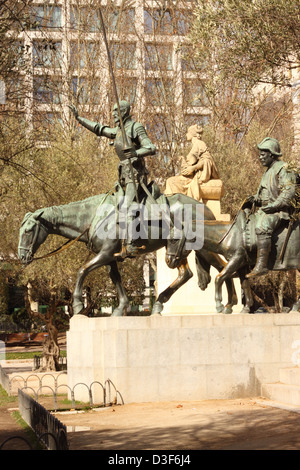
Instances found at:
x=274 y=200
x=132 y=164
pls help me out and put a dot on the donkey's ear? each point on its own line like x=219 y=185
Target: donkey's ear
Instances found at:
x=38 y=214
x=26 y=217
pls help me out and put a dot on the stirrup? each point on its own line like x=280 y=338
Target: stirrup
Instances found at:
x=133 y=250
x=125 y=252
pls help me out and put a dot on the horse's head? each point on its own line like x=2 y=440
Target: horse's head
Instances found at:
x=175 y=252
x=32 y=235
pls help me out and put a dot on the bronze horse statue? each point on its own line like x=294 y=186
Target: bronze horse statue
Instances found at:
x=89 y=221
x=236 y=242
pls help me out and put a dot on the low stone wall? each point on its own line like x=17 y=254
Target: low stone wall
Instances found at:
x=15 y=374
x=182 y=357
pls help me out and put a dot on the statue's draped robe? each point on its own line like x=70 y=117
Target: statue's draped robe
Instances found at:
x=206 y=170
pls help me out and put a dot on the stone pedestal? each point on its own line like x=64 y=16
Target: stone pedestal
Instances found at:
x=186 y=357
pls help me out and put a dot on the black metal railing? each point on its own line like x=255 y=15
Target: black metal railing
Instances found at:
x=38 y=362
x=48 y=429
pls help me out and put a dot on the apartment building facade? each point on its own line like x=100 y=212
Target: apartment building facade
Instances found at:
x=66 y=62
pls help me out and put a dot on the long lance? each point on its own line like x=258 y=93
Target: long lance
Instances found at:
x=126 y=146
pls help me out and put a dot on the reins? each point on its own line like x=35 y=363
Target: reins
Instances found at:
x=63 y=247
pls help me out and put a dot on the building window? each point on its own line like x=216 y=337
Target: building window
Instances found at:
x=85 y=91
x=84 y=55
x=45 y=17
x=194 y=93
x=158 y=22
x=160 y=128
x=120 y=20
x=158 y=92
x=15 y=91
x=87 y=19
x=123 y=56
x=84 y=19
x=18 y=52
x=46 y=90
x=46 y=54
x=184 y=21
x=159 y=57
x=166 y=22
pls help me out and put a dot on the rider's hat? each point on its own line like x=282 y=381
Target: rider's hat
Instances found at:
x=270 y=144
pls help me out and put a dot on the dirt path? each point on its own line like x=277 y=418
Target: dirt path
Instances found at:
x=245 y=424
x=9 y=428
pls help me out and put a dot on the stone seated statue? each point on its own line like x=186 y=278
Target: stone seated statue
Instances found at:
x=199 y=176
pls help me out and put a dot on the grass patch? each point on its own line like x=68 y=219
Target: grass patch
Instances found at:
x=9 y=356
x=5 y=399
x=30 y=435
x=78 y=405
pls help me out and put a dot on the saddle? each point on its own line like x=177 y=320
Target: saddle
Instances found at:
x=285 y=240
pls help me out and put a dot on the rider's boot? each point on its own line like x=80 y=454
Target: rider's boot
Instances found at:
x=263 y=250
x=129 y=248
x=123 y=252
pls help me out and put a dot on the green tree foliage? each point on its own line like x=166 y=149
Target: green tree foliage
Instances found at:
x=236 y=45
x=3 y=293
x=243 y=47
x=251 y=41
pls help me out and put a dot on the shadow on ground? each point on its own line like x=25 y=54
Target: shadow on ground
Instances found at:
x=209 y=425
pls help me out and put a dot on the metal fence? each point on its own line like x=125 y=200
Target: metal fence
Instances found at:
x=38 y=360
x=49 y=430
x=110 y=394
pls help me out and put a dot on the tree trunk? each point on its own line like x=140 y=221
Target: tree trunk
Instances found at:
x=51 y=349
x=276 y=299
x=261 y=301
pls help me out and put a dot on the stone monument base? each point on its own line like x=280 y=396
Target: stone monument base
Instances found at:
x=187 y=357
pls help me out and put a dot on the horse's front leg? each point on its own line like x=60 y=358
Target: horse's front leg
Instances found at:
x=99 y=260
x=218 y=292
x=232 y=296
x=184 y=274
x=226 y=276
x=124 y=304
x=205 y=259
x=246 y=290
